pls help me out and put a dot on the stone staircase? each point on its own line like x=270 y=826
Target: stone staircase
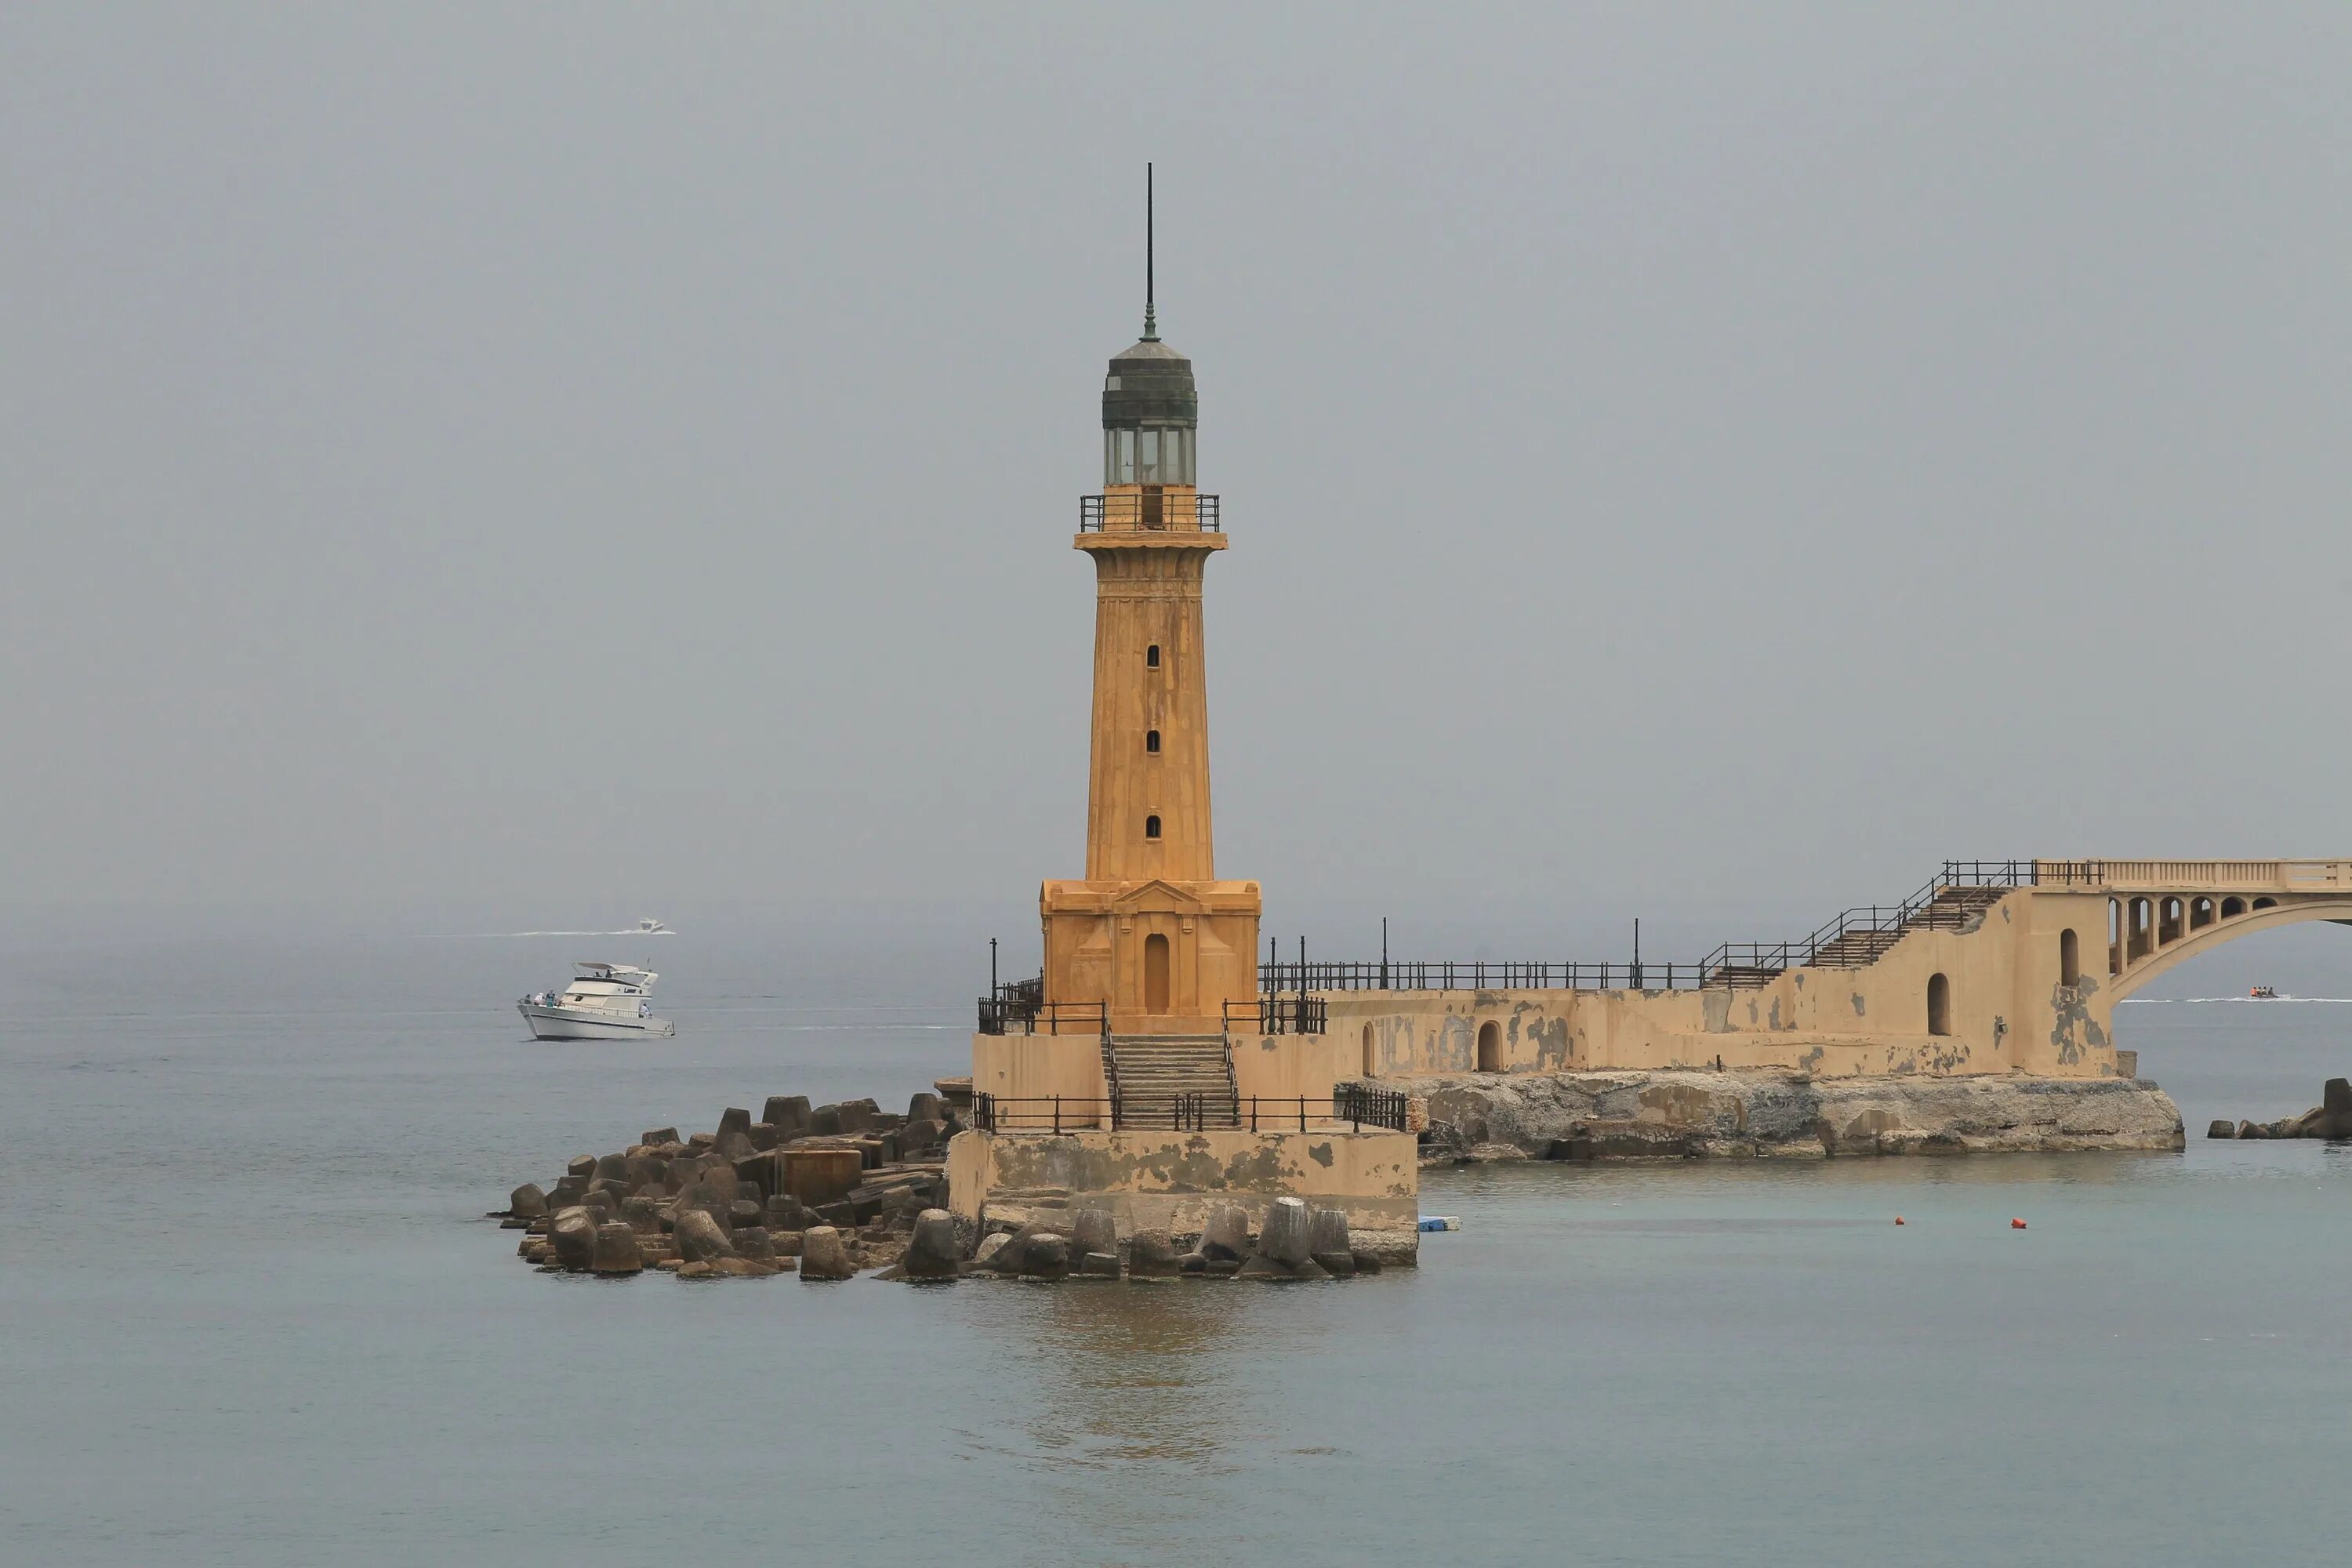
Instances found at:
x=1863 y=944
x=1149 y=1073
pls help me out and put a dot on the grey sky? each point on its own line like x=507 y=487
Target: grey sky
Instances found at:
x=1707 y=462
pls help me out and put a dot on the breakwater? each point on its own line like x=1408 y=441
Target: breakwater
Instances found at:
x=1764 y=1115
x=832 y=1190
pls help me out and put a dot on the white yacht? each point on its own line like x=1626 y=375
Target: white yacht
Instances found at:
x=603 y=1001
x=652 y=927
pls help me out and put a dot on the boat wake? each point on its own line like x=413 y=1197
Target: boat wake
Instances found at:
x=2204 y=1001
x=497 y=935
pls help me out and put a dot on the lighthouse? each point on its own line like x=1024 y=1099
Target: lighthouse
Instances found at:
x=1151 y=933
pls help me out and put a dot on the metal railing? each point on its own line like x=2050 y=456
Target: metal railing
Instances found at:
x=1479 y=974
x=1853 y=936
x=1174 y=510
x=1352 y=1107
x=1019 y=1007
x=1277 y=1015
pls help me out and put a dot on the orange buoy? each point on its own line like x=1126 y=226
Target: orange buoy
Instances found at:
x=1898 y=1219
x=2017 y=1225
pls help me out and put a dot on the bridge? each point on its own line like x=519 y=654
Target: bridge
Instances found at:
x=2161 y=913
x=1991 y=966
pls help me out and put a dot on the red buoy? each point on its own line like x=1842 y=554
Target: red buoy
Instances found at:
x=1898 y=1219
x=2017 y=1225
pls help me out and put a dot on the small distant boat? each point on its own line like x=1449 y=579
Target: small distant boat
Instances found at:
x=652 y=927
x=603 y=1001
x=2262 y=993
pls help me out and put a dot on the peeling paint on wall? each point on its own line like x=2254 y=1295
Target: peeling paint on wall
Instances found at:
x=1860 y=1010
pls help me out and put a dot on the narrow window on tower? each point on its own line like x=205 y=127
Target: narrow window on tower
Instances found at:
x=1151 y=656
x=1151 y=827
x=1151 y=740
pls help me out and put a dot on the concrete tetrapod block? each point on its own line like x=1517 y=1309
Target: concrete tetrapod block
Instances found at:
x=574 y=1235
x=1285 y=1237
x=700 y=1237
x=823 y=1256
x=1094 y=1229
x=2223 y=1128
x=583 y=1166
x=616 y=1249
x=1036 y=1253
x=658 y=1137
x=1327 y=1231
x=527 y=1201
x=1152 y=1255
x=932 y=1252
x=1226 y=1235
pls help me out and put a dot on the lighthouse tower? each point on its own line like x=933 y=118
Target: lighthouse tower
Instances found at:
x=1150 y=933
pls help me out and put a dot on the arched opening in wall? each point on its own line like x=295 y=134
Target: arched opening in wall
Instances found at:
x=2070 y=959
x=1155 y=973
x=2233 y=908
x=1371 y=1067
x=2114 y=936
x=1151 y=740
x=2143 y=929
x=2265 y=903
x=1151 y=656
x=1490 y=1047
x=2169 y=920
x=1151 y=827
x=2200 y=914
x=1939 y=1004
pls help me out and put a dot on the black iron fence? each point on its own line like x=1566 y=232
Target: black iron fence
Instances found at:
x=1275 y=1014
x=1019 y=1007
x=1352 y=1107
x=1478 y=974
x=1852 y=937
x=1152 y=511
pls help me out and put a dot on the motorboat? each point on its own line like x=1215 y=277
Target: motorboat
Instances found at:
x=652 y=927
x=603 y=1001
x=2262 y=993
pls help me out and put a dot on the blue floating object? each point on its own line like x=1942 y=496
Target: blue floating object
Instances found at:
x=1440 y=1221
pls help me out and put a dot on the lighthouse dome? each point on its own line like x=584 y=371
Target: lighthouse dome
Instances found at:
x=1150 y=384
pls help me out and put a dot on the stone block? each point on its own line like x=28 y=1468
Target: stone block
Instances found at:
x=573 y=1238
x=616 y=1249
x=527 y=1201
x=932 y=1252
x=1283 y=1237
x=823 y=1256
x=700 y=1237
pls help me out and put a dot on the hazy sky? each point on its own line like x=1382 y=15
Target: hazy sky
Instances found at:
x=1707 y=462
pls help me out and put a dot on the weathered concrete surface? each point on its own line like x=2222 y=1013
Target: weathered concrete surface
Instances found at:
x=1622 y=1115
x=1174 y=1181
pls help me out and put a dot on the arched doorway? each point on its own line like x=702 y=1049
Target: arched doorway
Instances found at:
x=1371 y=1065
x=1155 y=973
x=1939 y=1004
x=1490 y=1047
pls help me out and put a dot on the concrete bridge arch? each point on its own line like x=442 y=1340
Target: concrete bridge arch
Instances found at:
x=2153 y=931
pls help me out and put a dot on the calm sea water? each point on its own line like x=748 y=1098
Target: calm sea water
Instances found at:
x=252 y=1315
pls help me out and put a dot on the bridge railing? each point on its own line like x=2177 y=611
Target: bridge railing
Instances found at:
x=2249 y=876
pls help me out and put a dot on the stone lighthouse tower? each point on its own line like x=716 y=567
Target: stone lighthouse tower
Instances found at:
x=1150 y=933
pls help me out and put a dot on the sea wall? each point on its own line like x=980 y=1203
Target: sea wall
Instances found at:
x=1684 y=1114
x=1175 y=1181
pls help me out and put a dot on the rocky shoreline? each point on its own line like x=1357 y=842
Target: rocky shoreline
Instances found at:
x=2332 y=1118
x=1476 y=1117
x=832 y=1190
